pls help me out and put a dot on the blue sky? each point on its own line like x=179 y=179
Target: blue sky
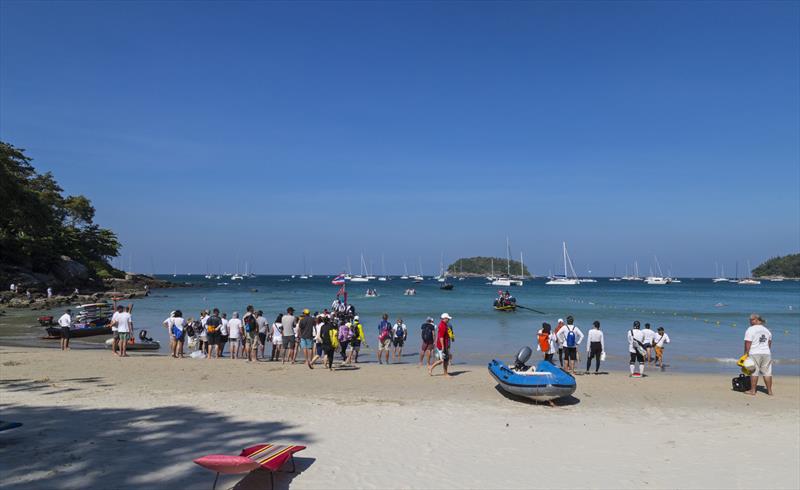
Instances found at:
x=207 y=131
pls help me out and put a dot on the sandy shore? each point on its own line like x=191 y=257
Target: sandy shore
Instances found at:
x=96 y=421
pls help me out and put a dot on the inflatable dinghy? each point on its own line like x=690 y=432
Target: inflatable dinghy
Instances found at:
x=545 y=382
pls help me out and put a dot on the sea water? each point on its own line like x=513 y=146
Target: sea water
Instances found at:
x=705 y=321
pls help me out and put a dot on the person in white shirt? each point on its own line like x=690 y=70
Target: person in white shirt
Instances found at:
x=223 y=334
x=177 y=326
x=167 y=323
x=649 y=337
x=235 y=332
x=49 y=292
x=636 y=349
x=13 y=288
x=277 y=338
x=758 y=347
x=546 y=342
x=595 y=347
x=659 y=342
x=570 y=338
x=64 y=322
x=399 y=336
x=122 y=320
x=559 y=347
x=263 y=333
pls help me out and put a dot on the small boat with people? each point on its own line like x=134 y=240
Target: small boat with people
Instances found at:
x=544 y=382
x=410 y=292
x=505 y=302
x=371 y=293
x=446 y=286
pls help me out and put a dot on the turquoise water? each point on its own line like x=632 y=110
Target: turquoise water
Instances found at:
x=704 y=337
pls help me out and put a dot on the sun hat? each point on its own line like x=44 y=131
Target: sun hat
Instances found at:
x=445 y=315
x=306 y=312
x=560 y=320
x=355 y=317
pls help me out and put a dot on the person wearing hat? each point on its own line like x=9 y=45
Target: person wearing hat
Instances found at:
x=64 y=322
x=428 y=336
x=288 y=339
x=306 y=330
x=358 y=338
x=660 y=340
x=559 y=326
x=442 y=346
x=636 y=349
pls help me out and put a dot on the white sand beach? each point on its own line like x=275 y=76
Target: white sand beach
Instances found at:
x=96 y=421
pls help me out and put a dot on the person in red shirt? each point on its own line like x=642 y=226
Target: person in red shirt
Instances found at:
x=442 y=346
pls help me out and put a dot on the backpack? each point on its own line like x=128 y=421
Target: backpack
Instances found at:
x=400 y=332
x=334 y=336
x=571 y=337
x=544 y=342
x=251 y=325
x=427 y=334
x=741 y=383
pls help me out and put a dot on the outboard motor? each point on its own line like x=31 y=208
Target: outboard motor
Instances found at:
x=522 y=357
x=143 y=336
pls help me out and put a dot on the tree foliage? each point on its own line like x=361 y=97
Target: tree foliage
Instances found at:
x=483 y=266
x=786 y=266
x=38 y=223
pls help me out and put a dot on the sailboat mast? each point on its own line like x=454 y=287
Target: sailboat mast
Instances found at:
x=508 y=258
x=564 y=248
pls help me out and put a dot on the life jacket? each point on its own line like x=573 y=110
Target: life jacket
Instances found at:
x=544 y=342
x=334 y=336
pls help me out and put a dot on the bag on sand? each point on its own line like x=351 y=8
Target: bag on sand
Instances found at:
x=741 y=383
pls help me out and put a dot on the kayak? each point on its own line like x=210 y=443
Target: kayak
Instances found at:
x=506 y=308
x=138 y=345
x=546 y=382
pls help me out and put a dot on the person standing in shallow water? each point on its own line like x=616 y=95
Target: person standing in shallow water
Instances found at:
x=595 y=346
x=546 y=341
x=65 y=322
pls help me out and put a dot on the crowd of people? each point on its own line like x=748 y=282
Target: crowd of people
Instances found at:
x=314 y=338
x=644 y=346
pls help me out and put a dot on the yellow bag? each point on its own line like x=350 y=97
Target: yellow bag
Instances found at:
x=334 y=338
x=747 y=367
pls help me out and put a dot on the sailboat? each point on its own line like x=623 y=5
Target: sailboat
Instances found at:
x=405 y=271
x=370 y=271
x=505 y=281
x=635 y=276
x=614 y=278
x=565 y=280
x=419 y=277
x=720 y=277
x=491 y=277
x=349 y=274
x=658 y=280
x=383 y=270
x=304 y=276
x=441 y=277
x=749 y=281
x=361 y=277
x=460 y=270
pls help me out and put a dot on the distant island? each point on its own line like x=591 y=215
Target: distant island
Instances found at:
x=787 y=266
x=482 y=266
x=49 y=240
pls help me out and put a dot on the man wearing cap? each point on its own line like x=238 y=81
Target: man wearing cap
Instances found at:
x=636 y=349
x=358 y=338
x=306 y=330
x=442 y=346
x=287 y=339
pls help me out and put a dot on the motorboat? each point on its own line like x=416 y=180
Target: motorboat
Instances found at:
x=749 y=282
x=544 y=382
x=656 y=280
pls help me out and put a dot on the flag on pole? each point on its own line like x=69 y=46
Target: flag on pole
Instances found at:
x=338 y=280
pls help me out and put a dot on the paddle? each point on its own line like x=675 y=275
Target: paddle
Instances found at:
x=526 y=308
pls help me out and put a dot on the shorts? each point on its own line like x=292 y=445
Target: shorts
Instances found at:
x=116 y=335
x=288 y=341
x=319 y=349
x=223 y=339
x=648 y=345
x=306 y=343
x=385 y=345
x=213 y=338
x=659 y=352
x=262 y=337
x=398 y=342
x=65 y=333
x=355 y=344
x=763 y=364
x=251 y=338
x=637 y=357
x=233 y=340
x=571 y=353
x=124 y=336
x=426 y=346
